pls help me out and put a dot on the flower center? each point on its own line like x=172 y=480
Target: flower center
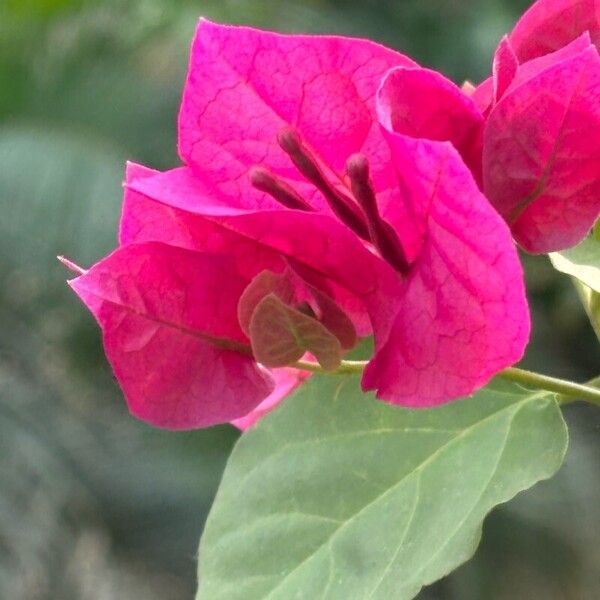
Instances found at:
x=357 y=208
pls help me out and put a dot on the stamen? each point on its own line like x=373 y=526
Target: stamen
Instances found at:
x=382 y=234
x=341 y=204
x=265 y=181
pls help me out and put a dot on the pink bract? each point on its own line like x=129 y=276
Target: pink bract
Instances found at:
x=244 y=85
x=424 y=104
x=543 y=125
x=293 y=160
x=540 y=145
x=286 y=381
x=462 y=315
x=170 y=334
x=549 y=25
x=504 y=68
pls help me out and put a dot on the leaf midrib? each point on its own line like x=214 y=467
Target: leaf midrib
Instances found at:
x=390 y=490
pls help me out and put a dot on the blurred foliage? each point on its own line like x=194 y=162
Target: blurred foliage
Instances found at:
x=94 y=505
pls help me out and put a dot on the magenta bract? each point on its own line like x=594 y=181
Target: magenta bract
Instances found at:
x=455 y=327
x=422 y=103
x=337 y=163
x=540 y=168
x=549 y=25
x=504 y=68
x=170 y=333
x=245 y=85
x=286 y=381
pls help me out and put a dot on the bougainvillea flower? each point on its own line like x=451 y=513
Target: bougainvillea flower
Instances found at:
x=461 y=286
x=173 y=347
x=543 y=127
x=343 y=212
x=549 y=25
x=171 y=333
x=174 y=306
x=540 y=163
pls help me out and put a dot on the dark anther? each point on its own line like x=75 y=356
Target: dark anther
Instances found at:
x=341 y=204
x=383 y=236
x=265 y=181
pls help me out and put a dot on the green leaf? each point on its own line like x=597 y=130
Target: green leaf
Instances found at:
x=581 y=262
x=285 y=317
x=281 y=335
x=336 y=495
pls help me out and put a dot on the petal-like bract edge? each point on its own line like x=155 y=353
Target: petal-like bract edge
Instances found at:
x=462 y=314
x=533 y=67
x=168 y=318
x=505 y=67
x=286 y=381
x=422 y=103
x=551 y=24
x=483 y=96
x=541 y=160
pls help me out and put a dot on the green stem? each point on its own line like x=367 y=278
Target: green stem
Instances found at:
x=552 y=384
x=527 y=378
x=347 y=367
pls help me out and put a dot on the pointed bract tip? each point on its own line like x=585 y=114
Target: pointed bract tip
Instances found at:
x=71 y=265
x=468 y=88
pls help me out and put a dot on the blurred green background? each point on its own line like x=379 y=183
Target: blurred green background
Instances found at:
x=96 y=506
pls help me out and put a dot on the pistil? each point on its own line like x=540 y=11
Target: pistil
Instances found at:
x=265 y=181
x=382 y=234
x=357 y=208
x=341 y=204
